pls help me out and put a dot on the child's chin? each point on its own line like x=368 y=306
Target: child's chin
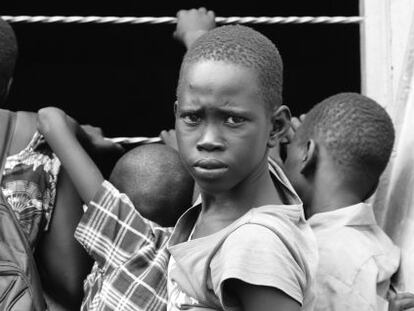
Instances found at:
x=213 y=186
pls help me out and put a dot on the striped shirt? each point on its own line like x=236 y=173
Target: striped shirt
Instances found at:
x=131 y=258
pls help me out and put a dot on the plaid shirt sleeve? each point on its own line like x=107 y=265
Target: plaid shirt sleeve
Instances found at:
x=112 y=230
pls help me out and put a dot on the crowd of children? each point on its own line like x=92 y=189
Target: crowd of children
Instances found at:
x=263 y=232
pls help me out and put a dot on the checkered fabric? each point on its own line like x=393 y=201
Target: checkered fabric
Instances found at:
x=131 y=258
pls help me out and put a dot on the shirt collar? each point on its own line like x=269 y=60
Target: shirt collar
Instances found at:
x=185 y=224
x=355 y=215
x=294 y=200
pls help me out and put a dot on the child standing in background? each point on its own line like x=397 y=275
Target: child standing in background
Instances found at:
x=334 y=162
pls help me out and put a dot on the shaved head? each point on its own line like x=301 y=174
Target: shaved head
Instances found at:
x=156 y=181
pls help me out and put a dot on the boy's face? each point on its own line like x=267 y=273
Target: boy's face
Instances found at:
x=222 y=124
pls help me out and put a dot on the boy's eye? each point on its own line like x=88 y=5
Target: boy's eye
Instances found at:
x=235 y=120
x=191 y=118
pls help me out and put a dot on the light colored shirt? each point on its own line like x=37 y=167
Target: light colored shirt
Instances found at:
x=270 y=245
x=356 y=260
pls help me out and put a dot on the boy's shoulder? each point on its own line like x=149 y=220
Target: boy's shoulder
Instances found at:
x=348 y=251
x=283 y=225
x=345 y=245
x=351 y=231
x=269 y=240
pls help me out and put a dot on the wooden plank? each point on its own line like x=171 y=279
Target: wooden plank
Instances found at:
x=375 y=44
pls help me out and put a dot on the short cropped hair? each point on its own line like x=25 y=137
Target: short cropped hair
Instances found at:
x=8 y=53
x=356 y=131
x=240 y=45
x=156 y=181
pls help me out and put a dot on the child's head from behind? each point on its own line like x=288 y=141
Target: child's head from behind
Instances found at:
x=228 y=110
x=8 y=57
x=155 y=180
x=352 y=133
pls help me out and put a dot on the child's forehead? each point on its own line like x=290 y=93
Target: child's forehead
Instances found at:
x=221 y=64
x=219 y=73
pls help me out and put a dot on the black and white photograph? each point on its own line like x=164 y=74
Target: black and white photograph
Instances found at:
x=207 y=155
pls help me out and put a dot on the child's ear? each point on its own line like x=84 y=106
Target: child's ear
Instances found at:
x=280 y=125
x=310 y=157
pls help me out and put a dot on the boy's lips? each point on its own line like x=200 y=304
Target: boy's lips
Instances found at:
x=210 y=164
x=210 y=168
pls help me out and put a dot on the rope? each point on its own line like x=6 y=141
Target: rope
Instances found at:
x=172 y=20
x=135 y=140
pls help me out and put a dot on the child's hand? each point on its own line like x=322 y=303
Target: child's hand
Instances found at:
x=191 y=24
x=401 y=301
x=51 y=117
x=169 y=138
x=96 y=138
x=295 y=123
x=279 y=152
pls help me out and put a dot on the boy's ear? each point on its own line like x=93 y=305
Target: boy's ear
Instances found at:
x=310 y=157
x=280 y=125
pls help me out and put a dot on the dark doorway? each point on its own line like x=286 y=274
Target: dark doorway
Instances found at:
x=123 y=77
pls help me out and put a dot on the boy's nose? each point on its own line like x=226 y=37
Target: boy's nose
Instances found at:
x=210 y=140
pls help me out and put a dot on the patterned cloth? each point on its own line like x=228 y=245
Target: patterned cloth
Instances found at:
x=29 y=185
x=131 y=258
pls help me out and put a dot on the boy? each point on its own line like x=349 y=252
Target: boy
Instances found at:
x=334 y=162
x=228 y=114
x=154 y=179
x=225 y=252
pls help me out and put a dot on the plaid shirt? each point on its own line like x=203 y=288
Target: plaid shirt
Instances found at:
x=130 y=253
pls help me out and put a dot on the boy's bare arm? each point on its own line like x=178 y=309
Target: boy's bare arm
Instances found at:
x=59 y=131
x=260 y=298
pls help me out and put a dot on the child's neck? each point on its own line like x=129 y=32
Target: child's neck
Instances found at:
x=219 y=210
x=330 y=197
x=256 y=190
